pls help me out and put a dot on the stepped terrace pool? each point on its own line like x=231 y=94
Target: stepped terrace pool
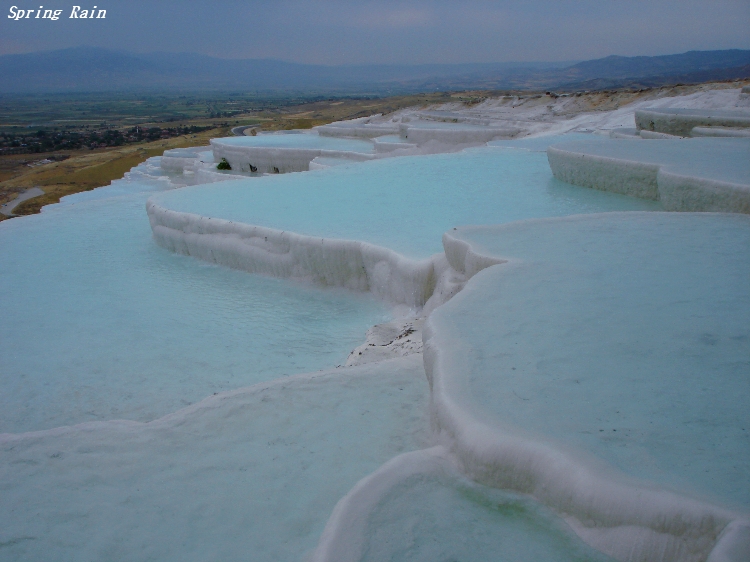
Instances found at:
x=100 y=323
x=107 y=325
x=404 y=204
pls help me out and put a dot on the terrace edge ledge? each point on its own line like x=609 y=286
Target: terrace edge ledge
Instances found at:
x=650 y=169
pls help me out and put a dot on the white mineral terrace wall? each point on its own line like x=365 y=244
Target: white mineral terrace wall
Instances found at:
x=420 y=284
x=627 y=522
x=363 y=130
x=677 y=192
x=269 y=160
x=636 y=179
x=456 y=135
x=179 y=159
x=728 y=132
x=177 y=163
x=382 y=147
x=419 y=135
x=681 y=124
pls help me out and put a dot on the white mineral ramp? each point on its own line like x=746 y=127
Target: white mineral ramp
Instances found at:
x=602 y=369
x=706 y=174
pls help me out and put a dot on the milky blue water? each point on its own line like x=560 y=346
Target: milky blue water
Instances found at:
x=250 y=476
x=299 y=140
x=627 y=336
x=428 y=518
x=401 y=203
x=98 y=322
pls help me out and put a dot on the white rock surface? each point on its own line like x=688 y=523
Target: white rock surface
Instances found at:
x=703 y=174
x=681 y=121
x=386 y=341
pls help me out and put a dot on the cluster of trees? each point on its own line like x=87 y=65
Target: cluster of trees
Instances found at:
x=49 y=141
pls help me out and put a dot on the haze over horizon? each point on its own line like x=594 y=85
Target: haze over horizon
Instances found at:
x=340 y=32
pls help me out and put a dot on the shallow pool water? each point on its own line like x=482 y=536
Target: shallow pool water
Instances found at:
x=428 y=518
x=256 y=471
x=405 y=203
x=623 y=335
x=101 y=323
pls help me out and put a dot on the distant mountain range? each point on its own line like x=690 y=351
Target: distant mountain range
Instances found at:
x=87 y=69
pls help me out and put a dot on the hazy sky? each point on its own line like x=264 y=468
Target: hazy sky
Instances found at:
x=366 y=31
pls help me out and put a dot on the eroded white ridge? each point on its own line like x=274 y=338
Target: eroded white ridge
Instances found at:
x=351 y=264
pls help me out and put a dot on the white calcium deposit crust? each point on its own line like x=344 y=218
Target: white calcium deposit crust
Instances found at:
x=681 y=121
x=706 y=174
x=350 y=264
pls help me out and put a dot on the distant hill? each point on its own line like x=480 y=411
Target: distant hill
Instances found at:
x=85 y=69
x=609 y=72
